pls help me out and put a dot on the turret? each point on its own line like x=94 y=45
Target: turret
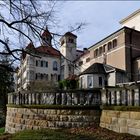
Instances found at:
x=68 y=50
x=46 y=38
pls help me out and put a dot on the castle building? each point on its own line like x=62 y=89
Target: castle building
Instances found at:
x=111 y=61
x=45 y=64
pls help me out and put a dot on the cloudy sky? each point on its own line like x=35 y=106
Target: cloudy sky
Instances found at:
x=102 y=18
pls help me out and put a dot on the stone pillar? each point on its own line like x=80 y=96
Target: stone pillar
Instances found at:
x=75 y=99
x=64 y=99
x=136 y=97
x=69 y=98
x=113 y=97
x=118 y=97
x=124 y=97
x=29 y=96
x=103 y=97
x=129 y=96
x=17 y=99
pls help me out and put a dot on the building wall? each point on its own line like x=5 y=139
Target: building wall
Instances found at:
x=136 y=68
x=115 y=56
x=83 y=81
x=132 y=22
x=28 y=69
x=82 y=64
x=111 y=79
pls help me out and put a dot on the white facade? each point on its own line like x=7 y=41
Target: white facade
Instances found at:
x=132 y=21
x=45 y=68
x=69 y=54
x=88 y=81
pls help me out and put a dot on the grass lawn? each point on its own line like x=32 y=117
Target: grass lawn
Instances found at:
x=49 y=135
x=90 y=133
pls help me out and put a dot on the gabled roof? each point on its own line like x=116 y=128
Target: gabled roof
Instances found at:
x=48 y=50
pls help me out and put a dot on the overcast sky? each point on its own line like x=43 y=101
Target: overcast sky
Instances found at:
x=102 y=17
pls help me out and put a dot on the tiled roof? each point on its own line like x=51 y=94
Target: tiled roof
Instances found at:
x=46 y=33
x=48 y=50
x=30 y=46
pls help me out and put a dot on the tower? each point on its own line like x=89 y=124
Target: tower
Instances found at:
x=46 y=38
x=68 y=51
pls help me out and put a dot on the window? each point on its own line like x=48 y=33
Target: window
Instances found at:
x=55 y=65
x=80 y=63
x=89 y=81
x=46 y=64
x=100 y=50
x=62 y=42
x=104 y=46
x=62 y=59
x=88 y=59
x=71 y=40
x=100 y=81
x=96 y=52
x=31 y=75
x=51 y=77
x=114 y=43
x=109 y=45
x=36 y=62
x=36 y=76
x=41 y=63
x=42 y=76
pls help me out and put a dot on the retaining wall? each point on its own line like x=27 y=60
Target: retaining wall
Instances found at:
x=18 y=119
x=121 y=121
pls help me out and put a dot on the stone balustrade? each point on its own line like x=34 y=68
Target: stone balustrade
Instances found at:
x=77 y=97
x=121 y=96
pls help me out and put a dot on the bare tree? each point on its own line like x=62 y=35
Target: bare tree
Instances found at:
x=23 y=21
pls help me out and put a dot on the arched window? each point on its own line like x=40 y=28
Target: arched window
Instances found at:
x=114 y=43
x=55 y=66
x=100 y=50
x=109 y=45
x=96 y=53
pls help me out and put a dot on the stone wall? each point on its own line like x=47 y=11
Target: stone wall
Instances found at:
x=121 y=121
x=18 y=119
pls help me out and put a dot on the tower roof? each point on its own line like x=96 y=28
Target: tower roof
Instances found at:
x=70 y=34
x=46 y=33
